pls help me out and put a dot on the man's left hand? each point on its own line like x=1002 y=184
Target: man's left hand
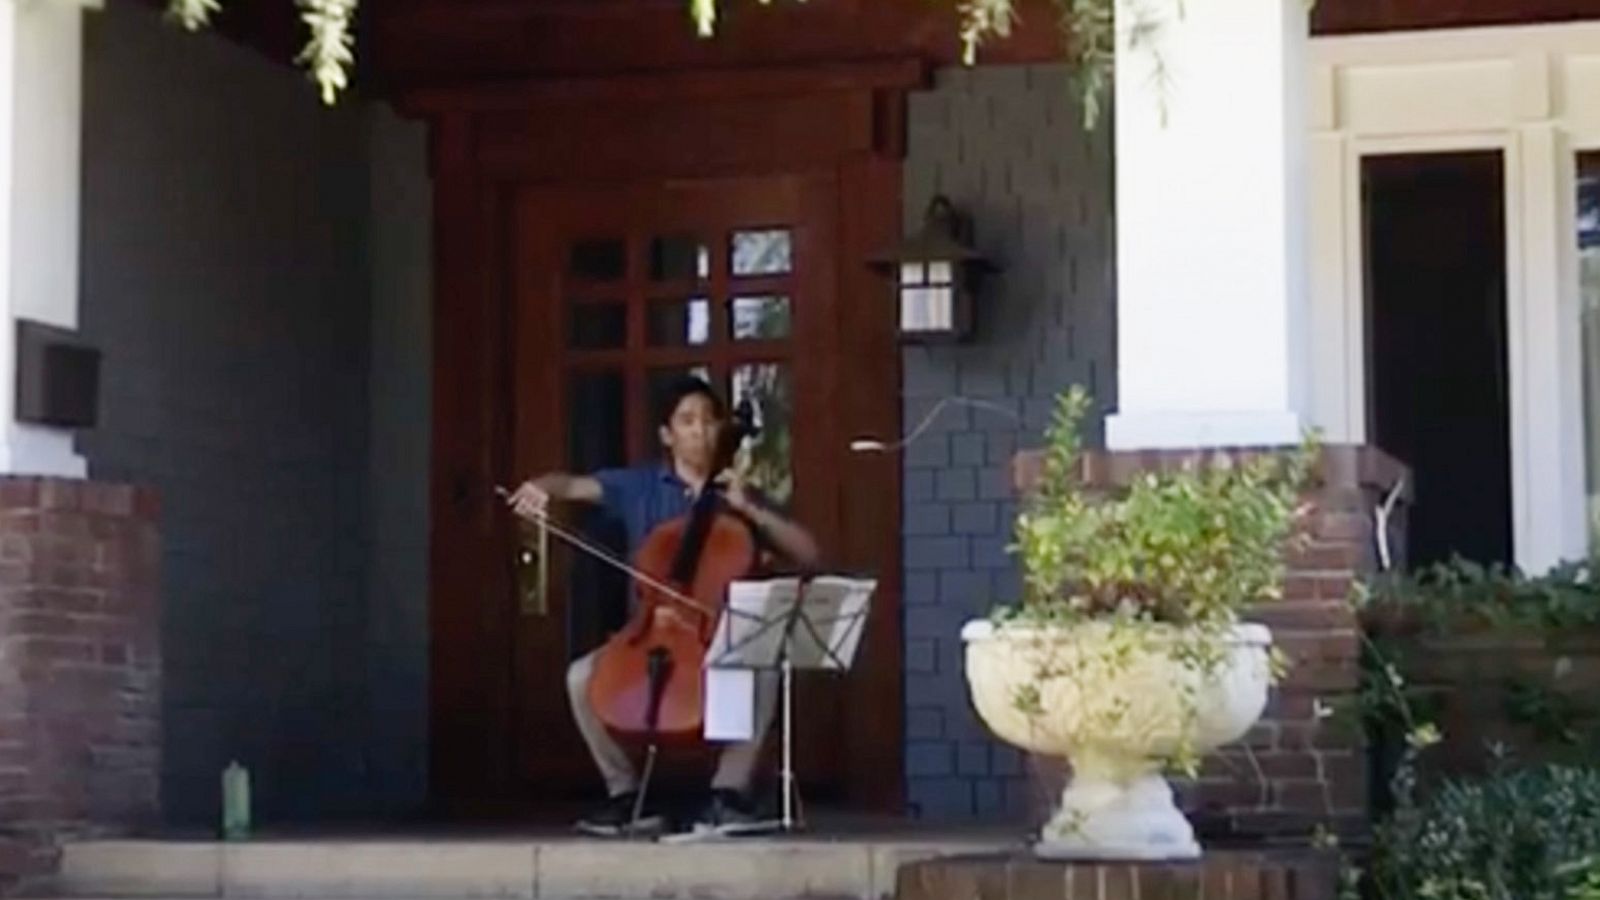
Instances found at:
x=733 y=490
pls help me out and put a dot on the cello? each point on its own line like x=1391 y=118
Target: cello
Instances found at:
x=649 y=678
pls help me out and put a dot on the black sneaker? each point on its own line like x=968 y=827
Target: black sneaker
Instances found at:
x=614 y=818
x=728 y=813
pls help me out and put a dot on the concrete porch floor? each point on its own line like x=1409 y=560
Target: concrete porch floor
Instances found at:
x=845 y=862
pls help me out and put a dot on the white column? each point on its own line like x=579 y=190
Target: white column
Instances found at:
x=1211 y=213
x=41 y=124
x=1548 y=489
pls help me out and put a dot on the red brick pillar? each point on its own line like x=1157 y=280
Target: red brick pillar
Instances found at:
x=1297 y=770
x=80 y=663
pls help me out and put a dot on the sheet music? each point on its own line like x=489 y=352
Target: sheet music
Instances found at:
x=750 y=636
x=825 y=635
x=749 y=632
x=833 y=618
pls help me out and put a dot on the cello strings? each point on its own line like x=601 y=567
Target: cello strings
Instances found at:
x=741 y=464
x=543 y=520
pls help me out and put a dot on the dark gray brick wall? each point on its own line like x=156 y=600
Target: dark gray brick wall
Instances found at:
x=1006 y=144
x=399 y=394
x=226 y=253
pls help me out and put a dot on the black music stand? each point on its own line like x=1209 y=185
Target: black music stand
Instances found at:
x=805 y=622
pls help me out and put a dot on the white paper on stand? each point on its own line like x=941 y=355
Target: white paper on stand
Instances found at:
x=730 y=704
x=730 y=688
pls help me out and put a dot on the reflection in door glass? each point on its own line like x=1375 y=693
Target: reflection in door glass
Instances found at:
x=596 y=420
x=679 y=323
x=679 y=257
x=759 y=318
x=770 y=390
x=761 y=252
x=1589 y=291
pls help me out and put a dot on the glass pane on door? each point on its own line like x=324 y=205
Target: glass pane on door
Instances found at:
x=679 y=258
x=769 y=387
x=759 y=318
x=599 y=259
x=596 y=420
x=761 y=252
x=680 y=323
x=597 y=326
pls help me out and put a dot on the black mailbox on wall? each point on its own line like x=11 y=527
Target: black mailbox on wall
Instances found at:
x=58 y=377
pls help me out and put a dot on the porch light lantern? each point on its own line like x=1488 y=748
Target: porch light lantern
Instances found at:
x=935 y=273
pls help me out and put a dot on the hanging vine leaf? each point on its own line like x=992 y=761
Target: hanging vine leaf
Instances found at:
x=704 y=14
x=329 y=53
x=193 y=15
x=1092 y=26
x=980 y=18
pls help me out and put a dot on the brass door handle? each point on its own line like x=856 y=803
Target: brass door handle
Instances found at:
x=533 y=569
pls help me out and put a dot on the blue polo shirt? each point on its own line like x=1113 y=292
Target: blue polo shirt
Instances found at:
x=644 y=496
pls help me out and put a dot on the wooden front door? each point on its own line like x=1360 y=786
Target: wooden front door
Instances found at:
x=619 y=290
x=594 y=238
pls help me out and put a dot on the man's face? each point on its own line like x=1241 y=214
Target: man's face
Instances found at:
x=691 y=434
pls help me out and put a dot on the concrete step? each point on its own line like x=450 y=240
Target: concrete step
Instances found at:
x=509 y=869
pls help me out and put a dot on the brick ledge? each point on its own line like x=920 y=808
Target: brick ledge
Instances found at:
x=1219 y=875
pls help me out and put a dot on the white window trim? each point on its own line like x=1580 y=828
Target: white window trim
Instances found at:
x=1532 y=93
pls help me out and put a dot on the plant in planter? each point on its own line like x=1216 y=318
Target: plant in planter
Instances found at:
x=1128 y=654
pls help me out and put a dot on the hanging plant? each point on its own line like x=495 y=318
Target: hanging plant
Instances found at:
x=329 y=52
x=1088 y=30
x=1087 y=27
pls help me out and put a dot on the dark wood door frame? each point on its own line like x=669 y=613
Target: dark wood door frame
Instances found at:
x=847 y=120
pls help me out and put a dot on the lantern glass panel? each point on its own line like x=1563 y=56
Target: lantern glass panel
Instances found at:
x=927 y=309
x=913 y=309
x=942 y=308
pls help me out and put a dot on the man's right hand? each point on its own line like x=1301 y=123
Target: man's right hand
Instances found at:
x=530 y=500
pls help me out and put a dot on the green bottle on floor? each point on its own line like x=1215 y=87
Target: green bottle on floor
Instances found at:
x=235 y=802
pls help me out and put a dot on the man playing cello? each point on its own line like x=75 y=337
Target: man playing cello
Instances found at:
x=642 y=497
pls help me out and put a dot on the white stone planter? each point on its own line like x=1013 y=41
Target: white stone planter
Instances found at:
x=1117 y=804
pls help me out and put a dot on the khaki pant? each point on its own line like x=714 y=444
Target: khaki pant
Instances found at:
x=734 y=769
